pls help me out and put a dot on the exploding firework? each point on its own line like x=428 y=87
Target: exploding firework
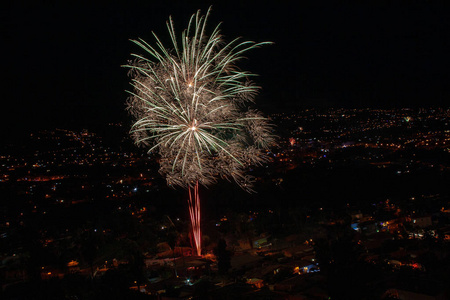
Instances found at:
x=190 y=103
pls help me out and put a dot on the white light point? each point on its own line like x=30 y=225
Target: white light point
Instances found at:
x=194 y=126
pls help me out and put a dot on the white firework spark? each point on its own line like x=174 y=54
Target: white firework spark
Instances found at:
x=190 y=105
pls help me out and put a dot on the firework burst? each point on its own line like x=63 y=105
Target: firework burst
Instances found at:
x=190 y=106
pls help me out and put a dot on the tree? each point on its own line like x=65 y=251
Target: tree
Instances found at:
x=223 y=256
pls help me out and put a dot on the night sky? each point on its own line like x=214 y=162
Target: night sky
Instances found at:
x=62 y=63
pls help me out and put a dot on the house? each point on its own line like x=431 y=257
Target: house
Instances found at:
x=192 y=267
x=245 y=262
x=261 y=242
x=256 y=282
x=368 y=227
x=262 y=272
x=356 y=215
x=303 y=267
x=298 y=251
x=391 y=225
x=422 y=222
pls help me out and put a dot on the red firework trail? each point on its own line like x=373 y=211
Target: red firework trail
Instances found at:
x=194 y=213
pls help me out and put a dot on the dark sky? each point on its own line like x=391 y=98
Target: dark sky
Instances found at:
x=62 y=62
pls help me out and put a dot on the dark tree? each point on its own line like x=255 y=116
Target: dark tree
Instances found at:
x=338 y=257
x=89 y=252
x=223 y=256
